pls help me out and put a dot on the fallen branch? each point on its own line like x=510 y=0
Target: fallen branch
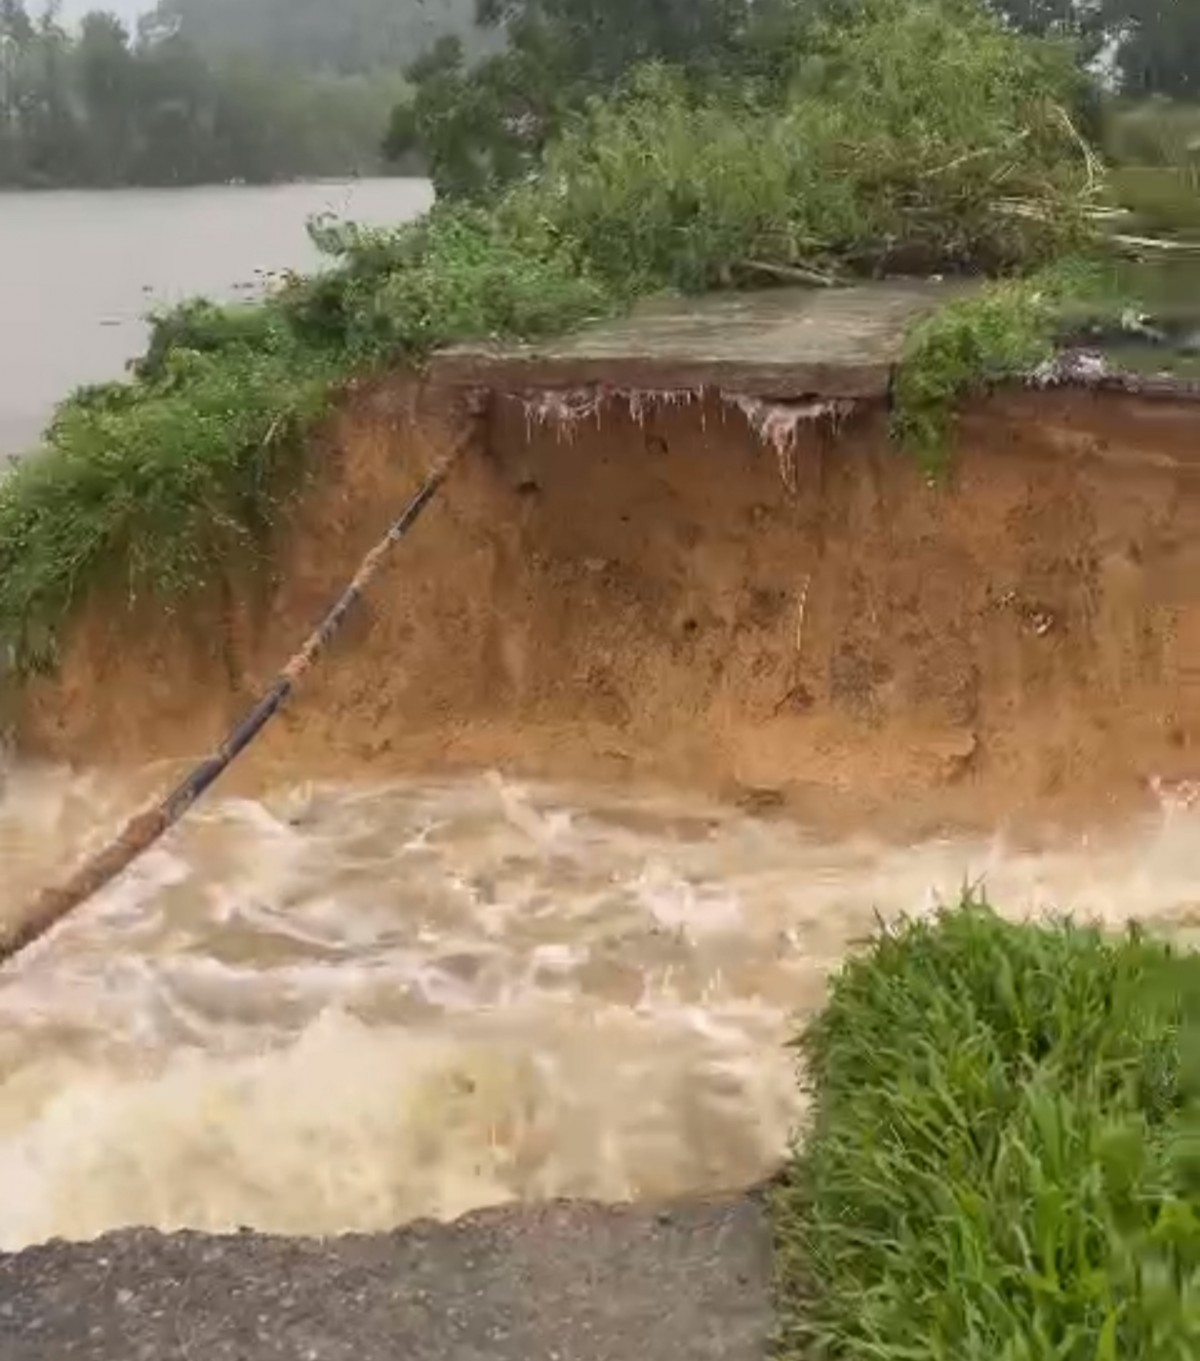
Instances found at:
x=1139 y=243
x=800 y=274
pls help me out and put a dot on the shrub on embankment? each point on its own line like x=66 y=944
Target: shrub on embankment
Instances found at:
x=915 y=134
x=1004 y=1161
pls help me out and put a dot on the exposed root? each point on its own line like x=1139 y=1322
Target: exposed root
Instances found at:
x=567 y=408
x=778 y=424
x=563 y=408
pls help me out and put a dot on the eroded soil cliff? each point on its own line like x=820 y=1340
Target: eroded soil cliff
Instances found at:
x=641 y=595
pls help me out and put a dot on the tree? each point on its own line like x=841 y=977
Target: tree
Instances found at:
x=479 y=126
x=1156 y=43
x=108 y=83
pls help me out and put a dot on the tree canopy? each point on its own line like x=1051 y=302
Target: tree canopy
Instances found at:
x=480 y=125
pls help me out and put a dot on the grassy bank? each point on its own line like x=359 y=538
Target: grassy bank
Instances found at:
x=1004 y=1163
x=914 y=136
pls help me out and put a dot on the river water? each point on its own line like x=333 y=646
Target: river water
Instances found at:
x=341 y=1008
x=345 y=1007
x=80 y=270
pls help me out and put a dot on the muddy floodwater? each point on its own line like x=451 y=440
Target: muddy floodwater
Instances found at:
x=342 y=1008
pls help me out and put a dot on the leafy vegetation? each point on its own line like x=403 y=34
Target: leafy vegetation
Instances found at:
x=1004 y=1160
x=148 y=486
x=478 y=125
x=481 y=125
x=1005 y=330
x=904 y=142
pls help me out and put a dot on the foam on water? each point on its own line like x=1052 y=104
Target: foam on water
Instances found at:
x=342 y=1008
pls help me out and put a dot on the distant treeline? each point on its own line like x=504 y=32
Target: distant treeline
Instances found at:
x=216 y=90
x=182 y=102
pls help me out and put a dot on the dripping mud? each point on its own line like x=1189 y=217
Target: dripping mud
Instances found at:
x=750 y=683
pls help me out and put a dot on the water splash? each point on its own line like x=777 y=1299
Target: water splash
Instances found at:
x=342 y=1007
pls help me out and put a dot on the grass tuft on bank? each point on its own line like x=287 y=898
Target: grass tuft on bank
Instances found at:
x=1004 y=1159
x=1004 y=331
x=910 y=136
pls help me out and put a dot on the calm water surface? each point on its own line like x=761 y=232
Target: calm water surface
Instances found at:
x=80 y=270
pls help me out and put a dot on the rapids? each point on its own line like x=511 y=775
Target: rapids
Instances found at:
x=344 y=1007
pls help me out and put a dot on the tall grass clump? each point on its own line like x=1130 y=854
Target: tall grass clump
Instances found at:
x=913 y=135
x=1004 y=330
x=145 y=488
x=1004 y=1160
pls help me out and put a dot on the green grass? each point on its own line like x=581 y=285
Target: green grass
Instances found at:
x=1004 y=1159
x=149 y=487
x=1003 y=331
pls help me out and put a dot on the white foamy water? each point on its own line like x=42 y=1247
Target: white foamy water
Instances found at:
x=343 y=1008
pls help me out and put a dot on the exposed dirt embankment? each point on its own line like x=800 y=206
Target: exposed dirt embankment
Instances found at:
x=649 y=599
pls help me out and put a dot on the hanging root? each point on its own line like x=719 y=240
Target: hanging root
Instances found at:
x=778 y=424
x=565 y=409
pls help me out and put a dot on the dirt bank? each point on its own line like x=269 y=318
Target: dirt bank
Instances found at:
x=646 y=598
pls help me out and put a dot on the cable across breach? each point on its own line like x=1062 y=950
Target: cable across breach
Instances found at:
x=146 y=827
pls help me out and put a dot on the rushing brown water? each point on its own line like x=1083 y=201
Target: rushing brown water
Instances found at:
x=344 y=1007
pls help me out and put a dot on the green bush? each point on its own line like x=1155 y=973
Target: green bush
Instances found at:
x=146 y=488
x=458 y=274
x=921 y=136
x=1004 y=1161
x=1004 y=330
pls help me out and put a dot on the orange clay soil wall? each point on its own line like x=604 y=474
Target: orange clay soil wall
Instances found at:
x=647 y=600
